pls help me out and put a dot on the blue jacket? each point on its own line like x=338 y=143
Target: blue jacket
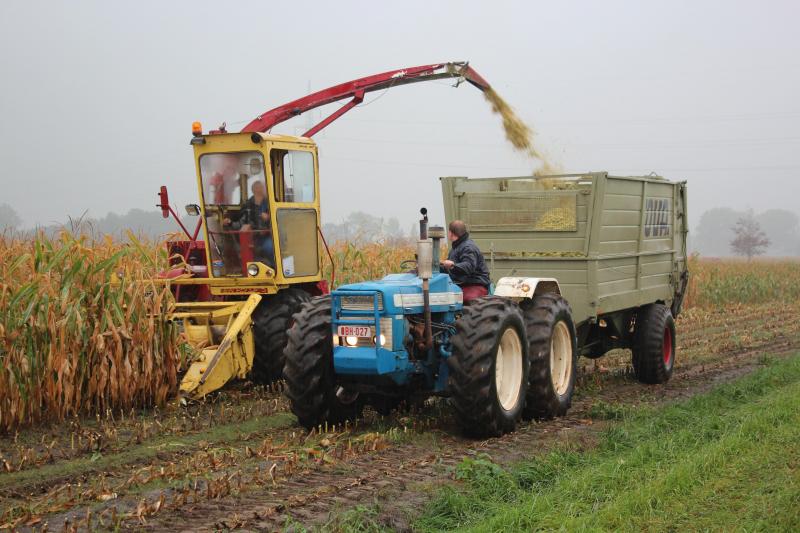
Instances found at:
x=469 y=266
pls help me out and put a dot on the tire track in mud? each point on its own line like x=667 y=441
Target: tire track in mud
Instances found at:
x=392 y=477
x=133 y=455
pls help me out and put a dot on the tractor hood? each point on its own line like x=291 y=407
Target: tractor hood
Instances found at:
x=402 y=293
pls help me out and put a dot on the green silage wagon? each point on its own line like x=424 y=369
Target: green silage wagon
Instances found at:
x=613 y=246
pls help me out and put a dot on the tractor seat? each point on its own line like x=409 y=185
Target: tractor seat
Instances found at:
x=472 y=292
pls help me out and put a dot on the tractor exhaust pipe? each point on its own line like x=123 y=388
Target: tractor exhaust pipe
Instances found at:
x=436 y=234
x=425 y=271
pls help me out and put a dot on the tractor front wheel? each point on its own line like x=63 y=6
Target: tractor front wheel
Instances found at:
x=312 y=389
x=489 y=367
x=271 y=320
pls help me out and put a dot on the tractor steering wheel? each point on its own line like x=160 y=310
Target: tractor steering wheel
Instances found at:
x=409 y=265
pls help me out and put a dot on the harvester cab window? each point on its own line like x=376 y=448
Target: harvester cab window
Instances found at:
x=298 y=242
x=293 y=171
x=293 y=174
x=237 y=212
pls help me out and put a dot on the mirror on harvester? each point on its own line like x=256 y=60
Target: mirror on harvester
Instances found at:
x=192 y=210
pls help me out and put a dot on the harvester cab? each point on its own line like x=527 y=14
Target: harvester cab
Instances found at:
x=260 y=233
x=260 y=255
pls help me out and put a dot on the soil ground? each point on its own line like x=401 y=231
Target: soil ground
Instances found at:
x=240 y=461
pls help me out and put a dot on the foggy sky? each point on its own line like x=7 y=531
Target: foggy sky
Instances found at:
x=98 y=97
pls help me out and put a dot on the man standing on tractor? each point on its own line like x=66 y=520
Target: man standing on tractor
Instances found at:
x=465 y=263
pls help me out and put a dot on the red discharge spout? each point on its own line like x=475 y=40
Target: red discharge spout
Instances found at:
x=356 y=89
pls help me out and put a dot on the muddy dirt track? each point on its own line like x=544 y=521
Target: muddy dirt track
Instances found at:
x=241 y=462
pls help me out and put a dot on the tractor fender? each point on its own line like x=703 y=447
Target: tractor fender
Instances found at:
x=521 y=288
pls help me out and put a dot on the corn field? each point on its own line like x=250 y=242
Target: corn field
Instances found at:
x=71 y=341
x=74 y=342
x=359 y=262
x=716 y=282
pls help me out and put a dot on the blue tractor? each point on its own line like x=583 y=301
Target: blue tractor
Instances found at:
x=409 y=336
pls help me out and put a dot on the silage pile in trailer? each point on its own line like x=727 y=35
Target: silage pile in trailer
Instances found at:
x=71 y=341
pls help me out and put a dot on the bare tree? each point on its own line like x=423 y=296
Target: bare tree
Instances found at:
x=749 y=240
x=9 y=219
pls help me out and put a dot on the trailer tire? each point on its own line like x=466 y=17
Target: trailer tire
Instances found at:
x=310 y=379
x=654 y=344
x=271 y=321
x=552 y=347
x=488 y=367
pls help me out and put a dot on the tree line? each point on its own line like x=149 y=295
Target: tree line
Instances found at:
x=721 y=232
x=356 y=227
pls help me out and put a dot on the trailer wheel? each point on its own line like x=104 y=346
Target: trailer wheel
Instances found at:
x=654 y=344
x=552 y=347
x=271 y=320
x=488 y=367
x=315 y=396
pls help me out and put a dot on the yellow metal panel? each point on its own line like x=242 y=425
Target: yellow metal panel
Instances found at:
x=232 y=358
x=242 y=290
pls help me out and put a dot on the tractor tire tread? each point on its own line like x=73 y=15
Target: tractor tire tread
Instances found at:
x=541 y=315
x=271 y=321
x=471 y=364
x=308 y=369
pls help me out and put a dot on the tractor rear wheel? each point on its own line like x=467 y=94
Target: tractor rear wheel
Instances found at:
x=654 y=344
x=271 y=320
x=552 y=347
x=312 y=389
x=489 y=367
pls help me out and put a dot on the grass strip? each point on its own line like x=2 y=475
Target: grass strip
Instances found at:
x=725 y=460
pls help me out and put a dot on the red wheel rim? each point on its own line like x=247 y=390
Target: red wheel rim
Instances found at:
x=667 y=347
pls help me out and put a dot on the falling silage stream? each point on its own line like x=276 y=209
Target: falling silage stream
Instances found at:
x=520 y=135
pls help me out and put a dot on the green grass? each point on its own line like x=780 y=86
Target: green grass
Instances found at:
x=359 y=519
x=726 y=460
